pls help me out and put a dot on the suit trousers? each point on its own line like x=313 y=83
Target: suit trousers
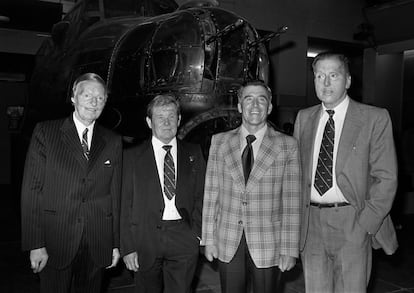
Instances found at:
x=337 y=254
x=173 y=269
x=241 y=274
x=82 y=274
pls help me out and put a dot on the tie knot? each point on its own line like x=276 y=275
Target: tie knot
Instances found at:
x=167 y=147
x=250 y=138
x=330 y=113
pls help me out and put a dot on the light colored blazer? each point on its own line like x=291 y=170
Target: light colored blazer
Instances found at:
x=366 y=168
x=267 y=208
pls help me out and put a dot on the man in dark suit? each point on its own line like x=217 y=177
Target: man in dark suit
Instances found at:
x=162 y=192
x=70 y=195
x=349 y=182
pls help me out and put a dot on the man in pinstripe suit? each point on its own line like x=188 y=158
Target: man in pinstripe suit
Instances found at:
x=251 y=221
x=70 y=195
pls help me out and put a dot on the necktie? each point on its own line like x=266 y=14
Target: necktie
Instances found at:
x=169 y=173
x=247 y=157
x=85 y=147
x=323 y=175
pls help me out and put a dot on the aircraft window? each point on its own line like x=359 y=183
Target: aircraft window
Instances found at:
x=178 y=31
x=172 y=68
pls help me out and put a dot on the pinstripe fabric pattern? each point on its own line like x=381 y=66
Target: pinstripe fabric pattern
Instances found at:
x=63 y=194
x=267 y=207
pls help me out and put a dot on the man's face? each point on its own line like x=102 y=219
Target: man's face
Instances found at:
x=89 y=100
x=331 y=82
x=254 y=106
x=164 y=122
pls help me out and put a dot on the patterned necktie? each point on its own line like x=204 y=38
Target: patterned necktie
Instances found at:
x=85 y=147
x=169 y=173
x=247 y=157
x=323 y=175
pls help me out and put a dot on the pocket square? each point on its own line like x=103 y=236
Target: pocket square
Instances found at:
x=107 y=163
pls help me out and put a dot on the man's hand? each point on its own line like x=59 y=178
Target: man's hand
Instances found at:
x=286 y=263
x=38 y=259
x=115 y=258
x=131 y=261
x=210 y=251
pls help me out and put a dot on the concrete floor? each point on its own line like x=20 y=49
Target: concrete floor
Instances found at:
x=390 y=273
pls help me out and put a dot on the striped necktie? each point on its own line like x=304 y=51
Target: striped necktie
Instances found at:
x=323 y=175
x=169 y=173
x=85 y=147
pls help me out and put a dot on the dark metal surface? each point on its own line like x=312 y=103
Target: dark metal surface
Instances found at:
x=198 y=52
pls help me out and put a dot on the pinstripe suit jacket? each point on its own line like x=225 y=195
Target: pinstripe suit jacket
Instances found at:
x=267 y=208
x=64 y=195
x=366 y=168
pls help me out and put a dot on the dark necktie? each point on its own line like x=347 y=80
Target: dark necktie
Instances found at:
x=247 y=157
x=169 y=173
x=85 y=147
x=323 y=175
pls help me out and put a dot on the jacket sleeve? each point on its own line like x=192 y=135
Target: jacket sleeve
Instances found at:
x=31 y=194
x=116 y=191
x=211 y=191
x=382 y=175
x=127 y=243
x=291 y=203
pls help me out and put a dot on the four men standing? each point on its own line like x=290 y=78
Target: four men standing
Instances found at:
x=340 y=173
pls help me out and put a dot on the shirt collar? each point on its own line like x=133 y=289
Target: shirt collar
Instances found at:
x=340 y=109
x=259 y=134
x=158 y=144
x=79 y=125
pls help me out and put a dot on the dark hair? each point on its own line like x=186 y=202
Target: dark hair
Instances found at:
x=332 y=55
x=254 y=83
x=89 y=77
x=163 y=100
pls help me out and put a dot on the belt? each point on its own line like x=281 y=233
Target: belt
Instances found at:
x=329 y=205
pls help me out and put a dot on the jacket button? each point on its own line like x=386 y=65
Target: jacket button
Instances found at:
x=158 y=227
x=240 y=222
x=245 y=203
x=83 y=199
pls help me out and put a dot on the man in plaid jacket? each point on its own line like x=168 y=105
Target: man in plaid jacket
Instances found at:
x=251 y=219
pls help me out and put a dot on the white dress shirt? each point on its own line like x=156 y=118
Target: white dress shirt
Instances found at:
x=334 y=194
x=80 y=128
x=170 y=210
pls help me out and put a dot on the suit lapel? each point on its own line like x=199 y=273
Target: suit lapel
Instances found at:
x=145 y=170
x=72 y=142
x=308 y=136
x=266 y=155
x=97 y=145
x=183 y=169
x=232 y=158
x=350 y=131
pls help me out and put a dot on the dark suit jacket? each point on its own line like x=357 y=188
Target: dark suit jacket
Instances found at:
x=64 y=195
x=366 y=168
x=142 y=201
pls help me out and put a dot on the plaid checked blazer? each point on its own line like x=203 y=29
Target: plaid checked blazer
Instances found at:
x=267 y=208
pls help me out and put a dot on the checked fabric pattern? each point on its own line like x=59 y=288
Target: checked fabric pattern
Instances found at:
x=323 y=176
x=169 y=173
x=85 y=147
